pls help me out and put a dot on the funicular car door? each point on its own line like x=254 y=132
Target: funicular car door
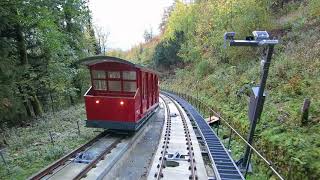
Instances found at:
x=147 y=90
x=144 y=91
x=151 y=82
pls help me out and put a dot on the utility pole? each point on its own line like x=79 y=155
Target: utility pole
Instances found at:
x=259 y=104
x=259 y=38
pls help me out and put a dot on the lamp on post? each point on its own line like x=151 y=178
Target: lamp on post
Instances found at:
x=259 y=39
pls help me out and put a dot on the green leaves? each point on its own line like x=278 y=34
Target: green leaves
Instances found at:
x=166 y=52
x=217 y=74
x=49 y=36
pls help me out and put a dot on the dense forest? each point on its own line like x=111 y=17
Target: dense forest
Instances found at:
x=190 y=54
x=40 y=42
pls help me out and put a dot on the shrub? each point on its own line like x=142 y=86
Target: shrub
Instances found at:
x=166 y=52
x=203 y=68
x=314 y=8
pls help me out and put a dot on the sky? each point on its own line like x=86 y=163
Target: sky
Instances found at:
x=126 y=20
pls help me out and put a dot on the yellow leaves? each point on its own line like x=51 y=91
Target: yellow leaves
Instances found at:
x=294 y=85
x=179 y=20
x=314 y=8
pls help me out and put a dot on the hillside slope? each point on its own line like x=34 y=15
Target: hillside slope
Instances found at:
x=191 y=56
x=222 y=78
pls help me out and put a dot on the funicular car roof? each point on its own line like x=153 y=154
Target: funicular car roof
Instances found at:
x=94 y=60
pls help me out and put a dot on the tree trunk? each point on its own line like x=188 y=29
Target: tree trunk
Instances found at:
x=52 y=103
x=21 y=44
x=28 y=109
x=37 y=108
x=71 y=100
x=25 y=102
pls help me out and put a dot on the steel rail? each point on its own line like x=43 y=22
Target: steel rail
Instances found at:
x=242 y=138
x=161 y=165
x=93 y=163
x=192 y=168
x=60 y=162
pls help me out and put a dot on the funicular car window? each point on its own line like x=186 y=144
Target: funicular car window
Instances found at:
x=98 y=74
x=129 y=86
x=128 y=75
x=114 y=81
x=100 y=84
x=114 y=85
x=114 y=74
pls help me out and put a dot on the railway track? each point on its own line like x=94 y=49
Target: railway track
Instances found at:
x=178 y=154
x=65 y=167
x=161 y=164
x=177 y=148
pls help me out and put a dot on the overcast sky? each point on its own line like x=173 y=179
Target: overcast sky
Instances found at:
x=126 y=20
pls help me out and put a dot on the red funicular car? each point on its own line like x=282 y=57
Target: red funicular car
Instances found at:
x=122 y=95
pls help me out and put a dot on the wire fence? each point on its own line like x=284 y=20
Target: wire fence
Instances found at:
x=205 y=110
x=53 y=102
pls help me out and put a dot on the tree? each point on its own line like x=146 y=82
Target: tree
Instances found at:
x=165 y=17
x=148 y=35
x=166 y=52
x=40 y=41
x=102 y=38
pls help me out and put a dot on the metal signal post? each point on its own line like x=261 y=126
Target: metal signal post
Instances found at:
x=259 y=38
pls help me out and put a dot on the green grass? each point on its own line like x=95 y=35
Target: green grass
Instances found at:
x=30 y=149
x=294 y=75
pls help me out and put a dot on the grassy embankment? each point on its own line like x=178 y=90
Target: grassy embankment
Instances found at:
x=293 y=147
x=29 y=148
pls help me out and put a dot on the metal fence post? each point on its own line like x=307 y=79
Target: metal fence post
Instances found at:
x=203 y=109
x=51 y=138
x=78 y=127
x=218 y=124
x=218 y=128
x=230 y=137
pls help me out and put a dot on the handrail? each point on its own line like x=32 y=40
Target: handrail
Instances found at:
x=137 y=91
x=235 y=131
x=86 y=94
x=103 y=96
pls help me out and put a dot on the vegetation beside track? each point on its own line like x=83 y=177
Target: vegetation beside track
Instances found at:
x=30 y=149
x=37 y=73
x=191 y=56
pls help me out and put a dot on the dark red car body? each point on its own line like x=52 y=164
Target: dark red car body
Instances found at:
x=122 y=95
